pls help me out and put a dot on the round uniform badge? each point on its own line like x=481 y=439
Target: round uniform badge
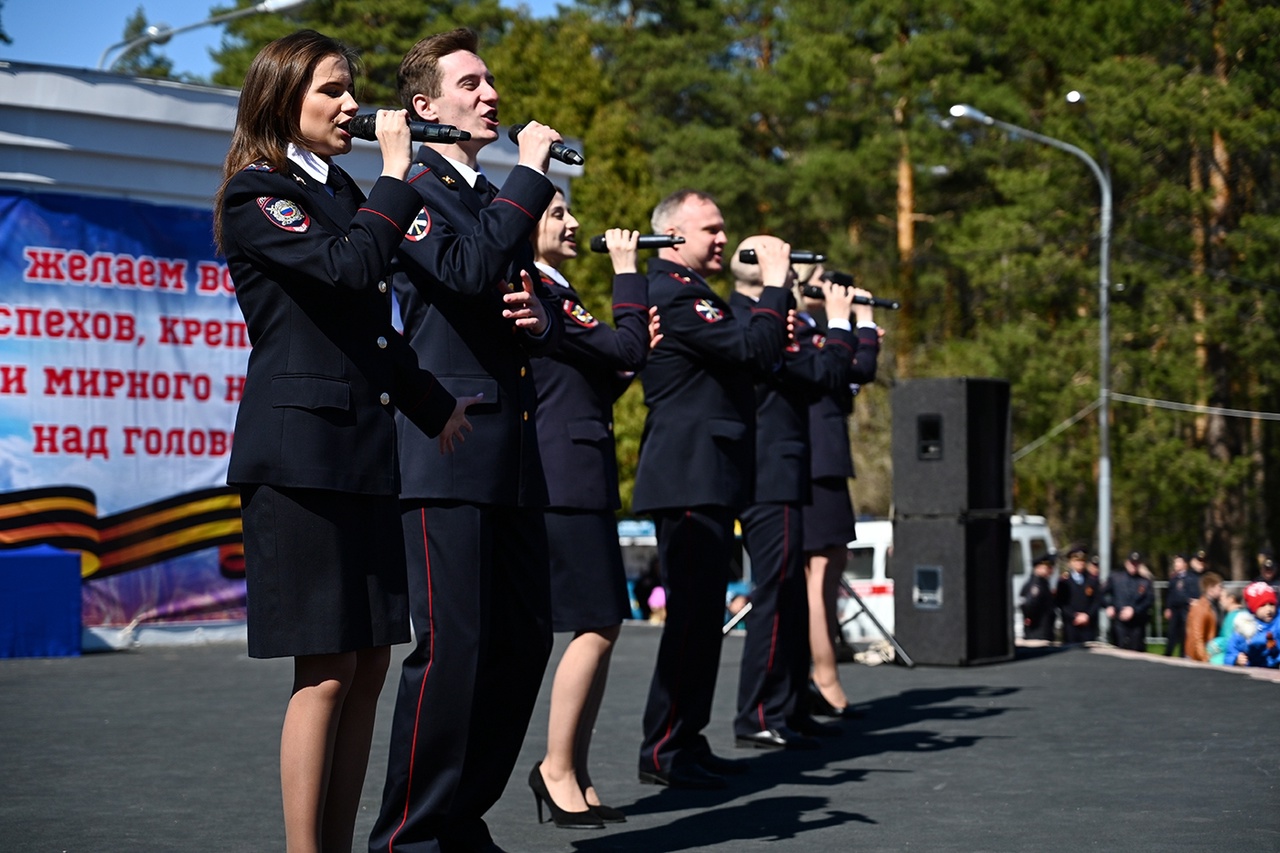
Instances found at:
x=708 y=311
x=580 y=315
x=819 y=341
x=285 y=214
x=420 y=227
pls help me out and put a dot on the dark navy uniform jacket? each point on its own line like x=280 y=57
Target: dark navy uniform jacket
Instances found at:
x=829 y=416
x=698 y=444
x=1125 y=590
x=809 y=369
x=456 y=258
x=577 y=387
x=327 y=370
x=1083 y=597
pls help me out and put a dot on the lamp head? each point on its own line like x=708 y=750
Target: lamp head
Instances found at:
x=966 y=111
x=1075 y=97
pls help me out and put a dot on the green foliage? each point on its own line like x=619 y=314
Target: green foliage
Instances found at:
x=826 y=122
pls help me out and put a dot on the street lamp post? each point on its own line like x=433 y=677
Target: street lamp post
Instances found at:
x=161 y=33
x=1104 y=323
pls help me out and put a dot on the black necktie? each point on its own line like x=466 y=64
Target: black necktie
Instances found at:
x=481 y=186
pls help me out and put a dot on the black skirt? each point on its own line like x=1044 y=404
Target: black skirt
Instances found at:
x=828 y=518
x=588 y=581
x=324 y=571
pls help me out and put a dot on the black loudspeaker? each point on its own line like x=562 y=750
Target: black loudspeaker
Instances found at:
x=951 y=589
x=951 y=446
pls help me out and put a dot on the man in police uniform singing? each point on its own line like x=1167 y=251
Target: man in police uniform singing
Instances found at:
x=696 y=469
x=474 y=309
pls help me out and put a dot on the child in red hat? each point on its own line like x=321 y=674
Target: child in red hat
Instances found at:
x=1261 y=649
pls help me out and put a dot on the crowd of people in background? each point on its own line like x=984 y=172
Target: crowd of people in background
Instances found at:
x=1205 y=617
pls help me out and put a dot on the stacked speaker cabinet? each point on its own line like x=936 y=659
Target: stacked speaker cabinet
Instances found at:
x=951 y=494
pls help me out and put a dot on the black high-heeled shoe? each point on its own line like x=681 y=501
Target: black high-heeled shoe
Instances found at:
x=820 y=707
x=561 y=818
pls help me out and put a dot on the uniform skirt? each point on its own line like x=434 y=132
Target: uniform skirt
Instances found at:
x=324 y=571
x=828 y=517
x=588 y=582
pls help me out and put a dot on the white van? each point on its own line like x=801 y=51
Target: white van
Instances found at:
x=868 y=573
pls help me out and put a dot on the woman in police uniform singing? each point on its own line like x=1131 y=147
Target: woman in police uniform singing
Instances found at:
x=577 y=387
x=315 y=448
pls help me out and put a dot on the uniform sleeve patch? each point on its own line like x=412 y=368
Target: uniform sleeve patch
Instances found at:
x=285 y=214
x=580 y=315
x=420 y=227
x=708 y=311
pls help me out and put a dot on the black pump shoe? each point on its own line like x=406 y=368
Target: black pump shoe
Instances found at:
x=820 y=707
x=564 y=819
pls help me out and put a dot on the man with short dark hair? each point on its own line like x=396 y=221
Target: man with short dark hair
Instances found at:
x=475 y=311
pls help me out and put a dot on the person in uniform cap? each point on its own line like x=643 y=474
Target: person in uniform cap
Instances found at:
x=1078 y=596
x=1036 y=601
x=1267 y=568
x=1177 y=603
x=1128 y=596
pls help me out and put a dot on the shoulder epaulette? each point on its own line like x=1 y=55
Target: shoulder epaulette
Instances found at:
x=259 y=166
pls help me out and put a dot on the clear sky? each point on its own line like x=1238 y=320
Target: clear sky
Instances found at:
x=76 y=32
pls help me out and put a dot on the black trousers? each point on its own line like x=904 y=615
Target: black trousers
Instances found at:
x=1131 y=635
x=480 y=601
x=1176 y=634
x=775 y=654
x=695 y=546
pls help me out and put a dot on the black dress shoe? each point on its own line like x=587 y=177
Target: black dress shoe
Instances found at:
x=779 y=738
x=722 y=766
x=689 y=777
x=808 y=726
x=820 y=707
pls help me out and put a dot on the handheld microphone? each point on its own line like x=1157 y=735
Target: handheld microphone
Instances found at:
x=748 y=256
x=845 y=280
x=364 y=127
x=644 y=241
x=559 y=150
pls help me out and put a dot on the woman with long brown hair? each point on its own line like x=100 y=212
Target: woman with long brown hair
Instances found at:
x=315 y=452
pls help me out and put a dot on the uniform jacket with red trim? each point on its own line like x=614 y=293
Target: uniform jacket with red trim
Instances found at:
x=455 y=264
x=810 y=368
x=577 y=387
x=327 y=370
x=698 y=445
x=829 y=416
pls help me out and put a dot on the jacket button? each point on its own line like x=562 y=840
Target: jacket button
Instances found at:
x=384 y=398
x=610 y=427
x=525 y=415
x=382 y=286
x=382 y=342
x=523 y=371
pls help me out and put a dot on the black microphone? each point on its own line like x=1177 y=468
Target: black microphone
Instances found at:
x=845 y=280
x=559 y=150
x=364 y=127
x=748 y=256
x=644 y=241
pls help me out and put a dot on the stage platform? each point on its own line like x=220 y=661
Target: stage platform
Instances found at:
x=176 y=749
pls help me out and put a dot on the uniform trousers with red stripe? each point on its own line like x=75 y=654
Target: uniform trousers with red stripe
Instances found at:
x=479 y=593
x=695 y=546
x=775 y=654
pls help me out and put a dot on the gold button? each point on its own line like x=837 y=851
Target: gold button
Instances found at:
x=384 y=398
x=522 y=371
x=610 y=426
x=382 y=342
x=526 y=416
